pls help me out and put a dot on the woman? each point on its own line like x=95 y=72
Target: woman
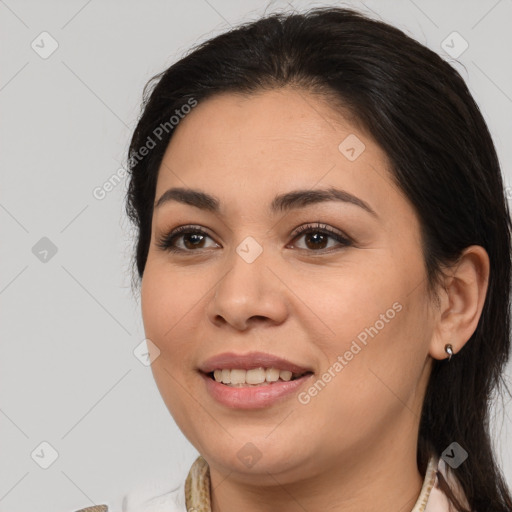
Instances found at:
x=324 y=259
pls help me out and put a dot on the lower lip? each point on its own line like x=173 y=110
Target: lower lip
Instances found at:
x=252 y=397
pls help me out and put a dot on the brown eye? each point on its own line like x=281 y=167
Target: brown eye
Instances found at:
x=193 y=239
x=317 y=236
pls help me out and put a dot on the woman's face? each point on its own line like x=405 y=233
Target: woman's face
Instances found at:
x=355 y=312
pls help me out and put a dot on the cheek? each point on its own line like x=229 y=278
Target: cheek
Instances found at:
x=377 y=340
x=173 y=303
x=168 y=317
x=367 y=386
x=168 y=311
x=354 y=303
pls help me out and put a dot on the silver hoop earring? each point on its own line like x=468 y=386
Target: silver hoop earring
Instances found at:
x=449 y=350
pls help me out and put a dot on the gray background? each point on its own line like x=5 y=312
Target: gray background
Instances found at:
x=68 y=375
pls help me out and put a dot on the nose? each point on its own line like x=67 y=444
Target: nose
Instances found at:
x=248 y=294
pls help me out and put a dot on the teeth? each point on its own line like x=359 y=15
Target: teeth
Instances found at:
x=256 y=376
x=238 y=376
x=285 y=375
x=272 y=374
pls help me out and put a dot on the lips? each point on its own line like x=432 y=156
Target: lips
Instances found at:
x=230 y=360
x=254 y=397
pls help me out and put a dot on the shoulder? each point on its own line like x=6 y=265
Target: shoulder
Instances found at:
x=95 y=508
x=151 y=497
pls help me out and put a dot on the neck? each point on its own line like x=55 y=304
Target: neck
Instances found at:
x=381 y=481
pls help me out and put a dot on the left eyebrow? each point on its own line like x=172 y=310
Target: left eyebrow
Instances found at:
x=300 y=198
x=281 y=203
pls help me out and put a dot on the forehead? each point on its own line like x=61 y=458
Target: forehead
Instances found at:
x=253 y=146
x=281 y=121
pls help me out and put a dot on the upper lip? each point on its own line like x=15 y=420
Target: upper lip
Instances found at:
x=230 y=360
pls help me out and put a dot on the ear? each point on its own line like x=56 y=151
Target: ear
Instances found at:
x=461 y=301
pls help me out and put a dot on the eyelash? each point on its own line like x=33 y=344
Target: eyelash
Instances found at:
x=166 y=241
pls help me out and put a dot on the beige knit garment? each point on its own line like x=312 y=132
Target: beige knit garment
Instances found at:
x=197 y=487
x=95 y=508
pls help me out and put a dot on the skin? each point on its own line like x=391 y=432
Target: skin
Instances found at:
x=356 y=439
